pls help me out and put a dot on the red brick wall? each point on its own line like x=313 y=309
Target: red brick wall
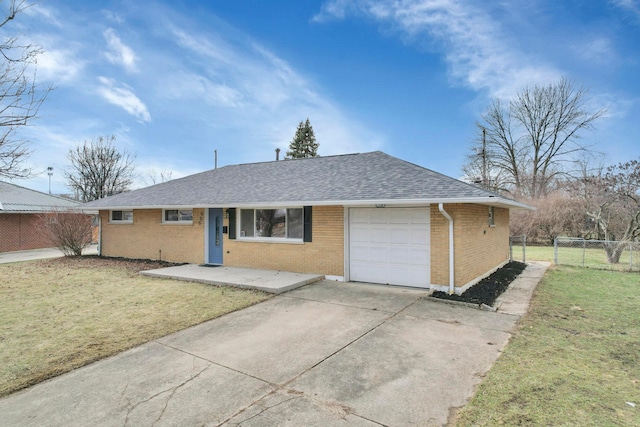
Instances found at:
x=19 y=232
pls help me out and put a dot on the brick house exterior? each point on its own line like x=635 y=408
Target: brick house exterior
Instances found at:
x=20 y=211
x=364 y=217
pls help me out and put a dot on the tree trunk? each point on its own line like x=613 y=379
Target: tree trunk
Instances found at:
x=614 y=251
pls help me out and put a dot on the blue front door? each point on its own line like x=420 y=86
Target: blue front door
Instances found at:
x=215 y=236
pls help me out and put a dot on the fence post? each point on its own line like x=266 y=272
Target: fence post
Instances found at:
x=584 y=249
x=524 y=248
x=510 y=249
x=630 y=256
x=555 y=251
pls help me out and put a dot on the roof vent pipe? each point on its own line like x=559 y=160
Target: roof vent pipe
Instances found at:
x=451 y=258
x=215 y=161
x=277 y=154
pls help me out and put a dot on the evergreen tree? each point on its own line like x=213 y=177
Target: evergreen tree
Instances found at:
x=304 y=142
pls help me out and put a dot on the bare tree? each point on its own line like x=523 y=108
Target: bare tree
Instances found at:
x=154 y=177
x=98 y=169
x=531 y=138
x=559 y=213
x=613 y=204
x=20 y=97
x=69 y=231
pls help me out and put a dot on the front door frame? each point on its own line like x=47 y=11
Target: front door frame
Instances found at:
x=214 y=246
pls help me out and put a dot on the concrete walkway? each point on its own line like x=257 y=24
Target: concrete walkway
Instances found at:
x=34 y=254
x=272 y=281
x=327 y=354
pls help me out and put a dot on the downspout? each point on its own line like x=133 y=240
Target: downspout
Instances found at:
x=99 y=234
x=451 y=257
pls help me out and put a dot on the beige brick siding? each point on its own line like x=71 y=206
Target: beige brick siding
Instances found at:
x=149 y=238
x=324 y=255
x=478 y=247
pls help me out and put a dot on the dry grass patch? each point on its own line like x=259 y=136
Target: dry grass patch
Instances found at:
x=575 y=359
x=57 y=315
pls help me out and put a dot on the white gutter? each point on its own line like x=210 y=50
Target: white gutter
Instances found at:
x=489 y=201
x=451 y=257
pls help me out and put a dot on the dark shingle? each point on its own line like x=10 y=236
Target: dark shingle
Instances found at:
x=344 y=178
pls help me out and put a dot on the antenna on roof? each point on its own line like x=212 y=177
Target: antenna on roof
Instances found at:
x=215 y=154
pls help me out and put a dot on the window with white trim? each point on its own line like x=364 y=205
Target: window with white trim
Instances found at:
x=271 y=223
x=121 y=216
x=177 y=215
x=491 y=217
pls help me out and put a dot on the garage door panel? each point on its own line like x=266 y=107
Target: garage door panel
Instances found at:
x=378 y=235
x=398 y=255
x=359 y=234
x=399 y=235
x=378 y=254
x=390 y=245
x=420 y=256
x=419 y=216
x=378 y=216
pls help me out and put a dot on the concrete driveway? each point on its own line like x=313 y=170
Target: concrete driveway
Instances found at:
x=322 y=355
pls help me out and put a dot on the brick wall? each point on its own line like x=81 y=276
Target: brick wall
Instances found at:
x=478 y=247
x=149 y=238
x=20 y=232
x=324 y=255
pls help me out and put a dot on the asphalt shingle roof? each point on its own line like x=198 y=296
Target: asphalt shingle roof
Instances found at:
x=374 y=176
x=14 y=198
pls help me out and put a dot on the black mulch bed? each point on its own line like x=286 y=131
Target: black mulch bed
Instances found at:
x=488 y=289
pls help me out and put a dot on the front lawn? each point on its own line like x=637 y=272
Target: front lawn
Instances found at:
x=574 y=360
x=57 y=315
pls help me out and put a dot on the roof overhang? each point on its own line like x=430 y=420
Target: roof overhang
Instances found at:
x=488 y=201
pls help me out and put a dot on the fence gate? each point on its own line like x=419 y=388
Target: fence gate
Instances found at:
x=518 y=248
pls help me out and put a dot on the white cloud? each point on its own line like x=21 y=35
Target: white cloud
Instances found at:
x=478 y=53
x=59 y=65
x=119 y=53
x=123 y=96
x=628 y=5
x=239 y=73
x=38 y=10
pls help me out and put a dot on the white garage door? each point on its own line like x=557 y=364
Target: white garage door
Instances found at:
x=389 y=246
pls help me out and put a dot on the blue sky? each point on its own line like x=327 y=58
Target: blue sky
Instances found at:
x=174 y=80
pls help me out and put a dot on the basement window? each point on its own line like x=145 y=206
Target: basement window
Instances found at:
x=267 y=224
x=123 y=217
x=184 y=216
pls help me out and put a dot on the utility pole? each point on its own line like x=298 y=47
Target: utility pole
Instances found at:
x=484 y=158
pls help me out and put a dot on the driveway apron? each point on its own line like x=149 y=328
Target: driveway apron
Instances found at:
x=326 y=354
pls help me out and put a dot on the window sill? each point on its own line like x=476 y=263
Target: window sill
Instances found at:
x=121 y=222
x=177 y=222
x=270 y=240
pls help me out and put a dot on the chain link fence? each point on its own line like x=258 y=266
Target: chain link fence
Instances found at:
x=518 y=248
x=600 y=254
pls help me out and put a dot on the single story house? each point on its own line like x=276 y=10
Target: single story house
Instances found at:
x=20 y=212
x=366 y=217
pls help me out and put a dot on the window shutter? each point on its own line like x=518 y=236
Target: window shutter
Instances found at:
x=232 y=222
x=307 y=224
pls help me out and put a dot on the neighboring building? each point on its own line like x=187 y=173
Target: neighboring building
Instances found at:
x=20 y=211
x=360 y=217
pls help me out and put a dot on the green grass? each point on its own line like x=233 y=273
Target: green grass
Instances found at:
x=574 y=360
x=594 y=257
x=58 y=315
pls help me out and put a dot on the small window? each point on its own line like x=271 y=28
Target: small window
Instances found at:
x=178 y=215
x=491 y=217
x=121 y=216
x=271 y=223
